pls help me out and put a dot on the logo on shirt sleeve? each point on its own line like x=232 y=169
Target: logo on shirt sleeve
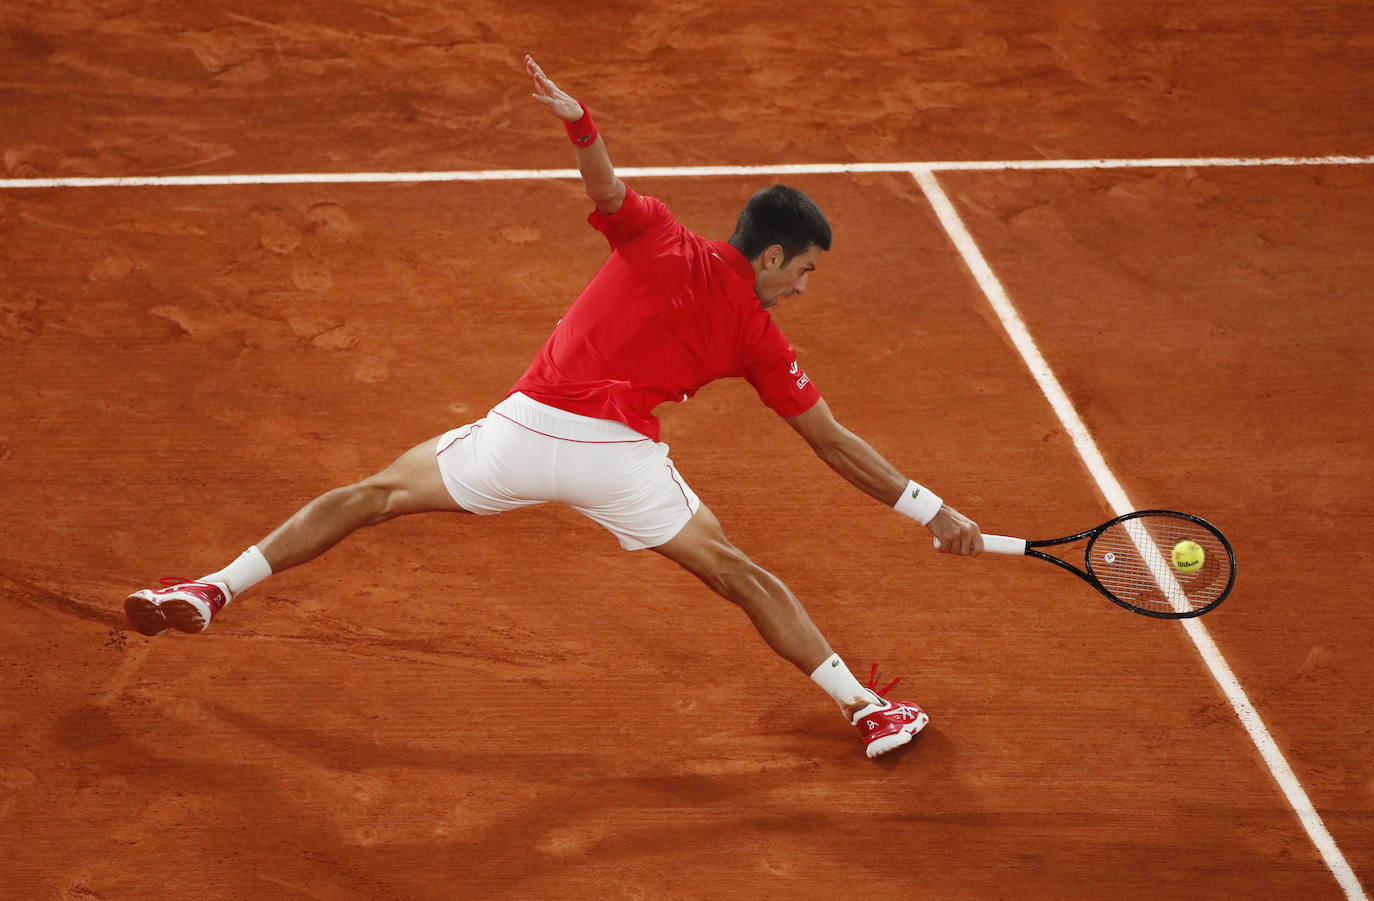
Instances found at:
x=802 y=378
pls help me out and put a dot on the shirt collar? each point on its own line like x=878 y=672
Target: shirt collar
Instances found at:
x=742 y=267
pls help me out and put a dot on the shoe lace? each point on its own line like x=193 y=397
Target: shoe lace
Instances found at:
x=174 y=580
x=873 y=682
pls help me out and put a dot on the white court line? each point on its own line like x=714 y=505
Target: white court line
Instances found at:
x=1116 y=497
x=318 y=178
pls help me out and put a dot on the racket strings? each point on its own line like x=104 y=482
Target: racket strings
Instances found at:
x=1132 y=559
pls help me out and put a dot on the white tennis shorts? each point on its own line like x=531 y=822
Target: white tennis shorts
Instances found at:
x=524 y=452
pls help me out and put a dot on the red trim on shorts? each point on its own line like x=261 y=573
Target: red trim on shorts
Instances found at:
x=673 y=472
x=573 y=440
x=474 y=428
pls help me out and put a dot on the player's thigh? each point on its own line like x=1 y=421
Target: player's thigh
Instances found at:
x=630 y=488
x=413 y=483
x=701 y=546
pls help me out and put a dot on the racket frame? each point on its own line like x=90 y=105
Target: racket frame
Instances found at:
x=1086 y=574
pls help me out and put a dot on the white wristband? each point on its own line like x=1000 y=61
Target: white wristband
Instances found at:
x=918 y=502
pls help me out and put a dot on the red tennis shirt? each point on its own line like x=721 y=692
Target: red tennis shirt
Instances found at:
x=667 y=313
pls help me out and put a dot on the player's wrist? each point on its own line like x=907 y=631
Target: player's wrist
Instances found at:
x=582 y=132
x=918 y=502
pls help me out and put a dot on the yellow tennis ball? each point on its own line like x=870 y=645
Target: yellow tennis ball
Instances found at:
x=1188 y=556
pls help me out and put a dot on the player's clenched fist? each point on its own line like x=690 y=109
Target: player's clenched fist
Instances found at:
x=955 y=533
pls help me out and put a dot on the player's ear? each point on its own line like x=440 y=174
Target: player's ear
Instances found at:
x=772 y=257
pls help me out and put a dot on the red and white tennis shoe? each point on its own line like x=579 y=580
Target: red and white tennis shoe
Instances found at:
x=183 y=605
x=887 y=726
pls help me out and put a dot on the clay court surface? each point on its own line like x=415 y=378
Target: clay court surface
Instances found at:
x=512 y=707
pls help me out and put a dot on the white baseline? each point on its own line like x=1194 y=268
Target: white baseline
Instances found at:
x=318 y=178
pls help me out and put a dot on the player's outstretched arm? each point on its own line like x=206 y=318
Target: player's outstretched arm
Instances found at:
x=871 y=473
x=607 y=191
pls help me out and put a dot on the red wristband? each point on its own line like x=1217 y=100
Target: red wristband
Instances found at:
x=582 y=132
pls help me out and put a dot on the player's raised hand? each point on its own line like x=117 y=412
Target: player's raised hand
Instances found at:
x=955 y=533
x=558 y=101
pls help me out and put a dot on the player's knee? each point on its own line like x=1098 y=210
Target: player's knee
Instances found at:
x=411 y=484
x=375 y=499
x=735 y=577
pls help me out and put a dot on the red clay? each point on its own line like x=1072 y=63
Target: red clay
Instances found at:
x=187 y=365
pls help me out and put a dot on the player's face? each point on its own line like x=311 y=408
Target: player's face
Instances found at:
x=786 y=279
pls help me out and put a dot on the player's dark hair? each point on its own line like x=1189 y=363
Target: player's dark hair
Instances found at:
x=780 y=215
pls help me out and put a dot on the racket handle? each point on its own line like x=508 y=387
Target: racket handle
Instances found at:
x=999 y=544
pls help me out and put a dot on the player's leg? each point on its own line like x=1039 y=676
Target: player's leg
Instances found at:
x=628 y=484
x=411 y=484
x=702 y=548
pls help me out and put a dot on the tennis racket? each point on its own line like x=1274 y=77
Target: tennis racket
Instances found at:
x=1129 y=559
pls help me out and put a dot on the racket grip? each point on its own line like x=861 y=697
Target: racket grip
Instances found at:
x=999 y=544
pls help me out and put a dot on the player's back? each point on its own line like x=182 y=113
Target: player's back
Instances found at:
x=668 y=312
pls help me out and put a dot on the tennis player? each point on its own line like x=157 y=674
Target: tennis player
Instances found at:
x=668 y=312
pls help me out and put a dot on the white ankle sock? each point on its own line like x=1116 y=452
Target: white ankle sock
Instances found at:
x=840 y=684
x=249 y=569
